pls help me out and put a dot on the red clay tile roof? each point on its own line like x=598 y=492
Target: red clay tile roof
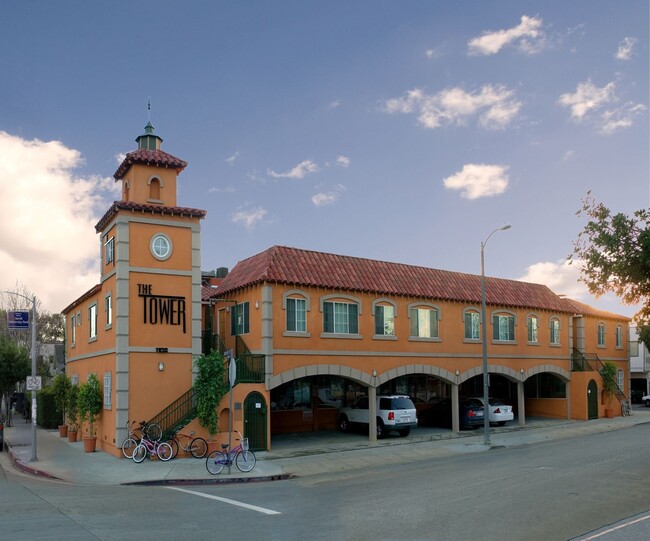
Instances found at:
x=304 y=268
x=586 y=310
x=145 y=209
x=149 y=157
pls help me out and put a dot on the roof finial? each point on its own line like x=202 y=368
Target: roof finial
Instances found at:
x=149 y=109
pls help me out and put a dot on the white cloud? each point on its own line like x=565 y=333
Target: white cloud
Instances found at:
x=248 y=218
x=590 y=102
x=434 y=53
x=299 y=171
x=568 y=155
x=479 y=180
x=343 y=161
x=47 y=220
x=495 y=106
x=626 y=49
x=527 y=36
x=560 y=276
x=227 y=189
x=334 y=104
x=120 y=157
x=232 y=159
x=328 y=198
x=588 y=97
x=620 y=118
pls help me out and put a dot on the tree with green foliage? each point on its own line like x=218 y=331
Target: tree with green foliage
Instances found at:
x=211 y=386
x=90 y=401
x=614 y=253
x=15 y=366
x=61 y=391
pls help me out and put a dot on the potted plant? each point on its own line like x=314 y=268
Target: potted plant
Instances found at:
x=73 y=412
x=610 y=387
x=90 y=402
x=61 y=389
x=211 y=386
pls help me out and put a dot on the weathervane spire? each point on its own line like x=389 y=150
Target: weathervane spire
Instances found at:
x=149 y=109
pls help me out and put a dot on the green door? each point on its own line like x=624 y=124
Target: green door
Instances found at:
x=592 y=400
x=255 y=421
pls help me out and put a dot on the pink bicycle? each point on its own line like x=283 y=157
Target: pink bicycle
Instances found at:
x=147 y=447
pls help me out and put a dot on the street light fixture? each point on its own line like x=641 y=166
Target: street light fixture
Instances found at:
x=486 y=376
x=33 y=325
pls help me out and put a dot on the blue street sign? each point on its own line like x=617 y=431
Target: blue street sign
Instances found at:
x=18 y=320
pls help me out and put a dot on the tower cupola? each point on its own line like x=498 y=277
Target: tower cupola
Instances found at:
x=148 y=140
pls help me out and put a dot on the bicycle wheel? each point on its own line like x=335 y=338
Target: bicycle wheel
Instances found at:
x=128 y=446
x=245 y=461
x=154 y=432
x=198 y=447
x=140 y=453
x=164 y=451
x=215 y=462
x=174 y=445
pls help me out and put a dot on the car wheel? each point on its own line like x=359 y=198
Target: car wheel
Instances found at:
x=501 y=423
x=381 y=430
x=344 y=424
x=647 y=403
x=404 y=432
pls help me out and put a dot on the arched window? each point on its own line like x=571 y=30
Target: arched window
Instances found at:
x=296 y=305
x=619 y=336
x=424 y=321
x=384 y=312
x=503 y=327
x=154 y=189
x=532 y=325
x=554 y=327
x=472 y=320
x=601 y=335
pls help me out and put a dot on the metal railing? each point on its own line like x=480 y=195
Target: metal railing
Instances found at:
x=175 y=416
x=590 y=362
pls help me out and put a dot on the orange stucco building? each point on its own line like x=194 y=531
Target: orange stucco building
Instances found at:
x=312 y=331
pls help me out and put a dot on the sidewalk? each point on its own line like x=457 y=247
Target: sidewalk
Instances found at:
x=295 y=455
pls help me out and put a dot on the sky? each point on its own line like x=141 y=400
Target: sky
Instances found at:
x=399 y=131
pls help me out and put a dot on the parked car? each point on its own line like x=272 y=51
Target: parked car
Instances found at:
x=470 y=412
x=394 y=412
x=636 y=396
x=500 y=413
x=646 y=400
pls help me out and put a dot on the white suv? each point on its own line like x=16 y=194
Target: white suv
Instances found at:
x=394 y=412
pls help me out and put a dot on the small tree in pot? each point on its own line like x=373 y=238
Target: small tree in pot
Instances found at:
x=90 y=406
x=610 y=387
x=211 y=386
x=61 y=390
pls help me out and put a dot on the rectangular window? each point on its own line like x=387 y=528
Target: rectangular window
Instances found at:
x=601 y=335
x=533 y=329
x=340 y=318
x=619 y=380
x=107 y=390
x=109 y=251
x=73 y=330
x=92 y=321
x=108 y=308
x=424 y=322
x=555 y=331
x=384 y=320
x=296 y=315
x=503 y=328
x=472 y=326
x=634 y=348
x=619 y=337
x=239 y=319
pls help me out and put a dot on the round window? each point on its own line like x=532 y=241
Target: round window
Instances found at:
x=161 y=246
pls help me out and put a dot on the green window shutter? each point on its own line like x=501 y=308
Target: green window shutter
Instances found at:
x=511 y=328
x=291 y=314
x=379 y=320
x=414 y=322
x=495 y=327
x=246 y=318
x=328 y=317
x=353 y=319
x=433 y=320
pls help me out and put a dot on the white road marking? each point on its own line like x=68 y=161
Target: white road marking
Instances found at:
x=620 y=526
x=226 y=500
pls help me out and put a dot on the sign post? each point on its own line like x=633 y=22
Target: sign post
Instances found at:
x=232 y=377
x=20 y=320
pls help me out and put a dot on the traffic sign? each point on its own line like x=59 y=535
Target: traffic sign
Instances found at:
x=33 y=383
x=18 y=319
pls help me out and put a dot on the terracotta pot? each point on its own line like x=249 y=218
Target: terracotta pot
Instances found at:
x=89 y=444
x=72 y=435
x=63 y=431
x=609 y=413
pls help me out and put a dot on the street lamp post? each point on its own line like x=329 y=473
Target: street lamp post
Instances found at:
x=33 y=324
x=486 y=376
